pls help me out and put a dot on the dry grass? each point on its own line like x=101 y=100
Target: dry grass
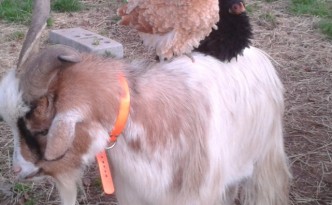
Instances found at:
x=304 y=59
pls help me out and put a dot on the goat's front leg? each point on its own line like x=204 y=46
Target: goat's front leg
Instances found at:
x=67 y=186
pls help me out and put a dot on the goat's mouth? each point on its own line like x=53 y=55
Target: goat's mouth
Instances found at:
x=32 y=176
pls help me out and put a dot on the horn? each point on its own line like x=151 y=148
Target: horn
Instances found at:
x=40 y=71
x=40 y=14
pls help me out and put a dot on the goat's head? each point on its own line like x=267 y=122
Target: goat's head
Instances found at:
x=14 y=110
x=25 y=103
x=30 y=137
x=31 y=143
x=34 y=143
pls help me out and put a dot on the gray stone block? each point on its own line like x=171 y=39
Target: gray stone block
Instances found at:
x=87 y=41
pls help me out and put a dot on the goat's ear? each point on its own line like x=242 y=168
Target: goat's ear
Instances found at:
x=40 y=118
x=45 y=107
x=70 y=58
x=59 y=138
x=41 y=70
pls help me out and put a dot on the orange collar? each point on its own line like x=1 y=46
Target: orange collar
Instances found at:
x=104 y=166
x=123 y=110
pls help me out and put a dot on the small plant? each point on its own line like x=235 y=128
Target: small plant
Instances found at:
x=250 y=8
x=98 y=183
x=22 y=191
x=20 y=188
x=16 y=10
x=66 y=5
x=104 y=32
x=115 y=19
x=326 y=27
x=49 y=22
x=96 y=42
x=29 y=202
x=269 y=18
x=108 y=54
x=15 y=36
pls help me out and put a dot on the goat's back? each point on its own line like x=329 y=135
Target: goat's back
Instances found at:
x=198 y=128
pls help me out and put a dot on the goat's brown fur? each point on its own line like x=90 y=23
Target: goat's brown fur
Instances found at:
x=192 y=136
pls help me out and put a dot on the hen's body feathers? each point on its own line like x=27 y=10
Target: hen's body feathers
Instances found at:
x=168 y=26
x=233 y=35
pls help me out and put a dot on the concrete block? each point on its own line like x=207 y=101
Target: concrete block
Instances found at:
x=87 y=41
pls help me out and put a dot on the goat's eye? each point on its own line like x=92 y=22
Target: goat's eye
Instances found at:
x=32 y=109
x=43 y=132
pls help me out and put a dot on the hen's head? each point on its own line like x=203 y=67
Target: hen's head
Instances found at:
x=234 y=7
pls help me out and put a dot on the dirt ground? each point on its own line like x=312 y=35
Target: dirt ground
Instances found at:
x=303 y=57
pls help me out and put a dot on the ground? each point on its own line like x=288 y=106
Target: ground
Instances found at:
x=303 y=58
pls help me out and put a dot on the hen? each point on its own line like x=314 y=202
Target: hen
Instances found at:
x=170 y=27
x=234 y=32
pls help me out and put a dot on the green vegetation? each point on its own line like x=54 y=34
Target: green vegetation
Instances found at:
x=19 y=11
x=313 y=7
x=269 y=17
x=98 y=183
x=115 y=19
x=104 y=32
x=109 y=54
x=15 y=36
x=326 y=27
x=16 y=10
x=319 y=8
x=250 y=8
x=23 y=191
x=20 y=188
x=66 y=5
x=49 y=22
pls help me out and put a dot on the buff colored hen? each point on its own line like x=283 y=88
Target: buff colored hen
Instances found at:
x=171 y=27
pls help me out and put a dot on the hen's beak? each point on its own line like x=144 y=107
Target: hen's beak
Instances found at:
x=237 y=9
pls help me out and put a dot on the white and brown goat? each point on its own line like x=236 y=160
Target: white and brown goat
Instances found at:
x=196 y=132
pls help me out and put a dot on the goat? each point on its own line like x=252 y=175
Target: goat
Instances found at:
x=196 y=131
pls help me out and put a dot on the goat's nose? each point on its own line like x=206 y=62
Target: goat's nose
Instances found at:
x=17 y=169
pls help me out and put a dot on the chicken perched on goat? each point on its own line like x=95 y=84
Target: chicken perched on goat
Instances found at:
x=170 y=27
x=234 y=32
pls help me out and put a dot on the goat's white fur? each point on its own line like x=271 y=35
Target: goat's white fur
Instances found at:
x=67 y=186
x=243 y=96
x=244 y=143
x=12 y=107
x=100 y=138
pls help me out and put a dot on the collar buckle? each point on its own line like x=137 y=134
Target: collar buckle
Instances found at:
x=113 y=143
